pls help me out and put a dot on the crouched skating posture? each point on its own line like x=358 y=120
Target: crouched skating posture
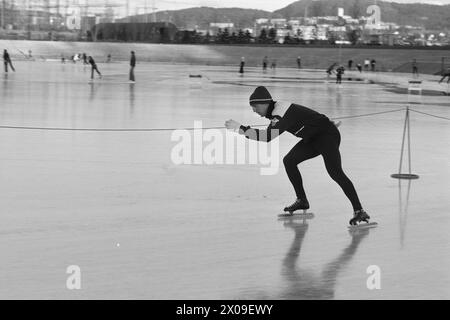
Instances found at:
x=320 y=136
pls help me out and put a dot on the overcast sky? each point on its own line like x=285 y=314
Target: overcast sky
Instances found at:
x=269 y=5
x=138 y=6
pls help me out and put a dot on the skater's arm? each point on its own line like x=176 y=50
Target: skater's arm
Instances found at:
x=277 y=126
x=265 y=135
x=252 y=133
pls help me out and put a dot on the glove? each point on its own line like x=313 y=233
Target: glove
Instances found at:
x=232 y=125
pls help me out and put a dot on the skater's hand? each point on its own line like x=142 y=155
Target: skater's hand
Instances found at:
x=232 y=125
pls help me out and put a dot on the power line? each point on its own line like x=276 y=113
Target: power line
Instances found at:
x=162 y=129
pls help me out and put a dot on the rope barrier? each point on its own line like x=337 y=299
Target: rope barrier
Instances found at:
x=367 y=114
x=102 y=129
x=429 y=114
x=164 y=129
x=190 y=128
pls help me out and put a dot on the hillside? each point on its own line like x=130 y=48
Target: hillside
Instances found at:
x=201 y=17
x=432 y=17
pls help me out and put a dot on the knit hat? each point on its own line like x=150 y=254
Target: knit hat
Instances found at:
x=260 y=95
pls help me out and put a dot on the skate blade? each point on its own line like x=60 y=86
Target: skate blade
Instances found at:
x=363 y=225
x=296 y=215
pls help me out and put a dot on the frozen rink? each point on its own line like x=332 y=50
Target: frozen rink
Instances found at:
x=140 y=227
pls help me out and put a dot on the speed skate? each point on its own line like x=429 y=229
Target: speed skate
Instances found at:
x=300 y=215
x=360 y=220
x=365 y=225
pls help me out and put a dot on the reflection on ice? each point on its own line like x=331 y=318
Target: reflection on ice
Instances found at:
x=304 y=284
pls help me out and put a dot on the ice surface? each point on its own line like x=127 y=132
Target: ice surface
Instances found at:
x=141 y=227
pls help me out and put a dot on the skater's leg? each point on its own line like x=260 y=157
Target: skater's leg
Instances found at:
x=132 y=74
x=300 y=152
x=92 y=73
x=328 y=145
x=98 y=72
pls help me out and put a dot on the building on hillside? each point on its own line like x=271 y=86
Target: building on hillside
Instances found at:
x=262 y=21
x=322 y=31
x=293 y=23
x=327 y=20
x=221 y=25
x=281 y=34
x=214 y=27
x=278 y=23
x=73 y=21
x=307 y=33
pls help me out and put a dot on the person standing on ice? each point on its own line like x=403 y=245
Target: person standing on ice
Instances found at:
x=339 y=73
x=265 y=63
x=241 y=66
x=7 y=61
x=415 y=70
x=93 y=68
x=85 y=59
x=320 y=136
x=132 y=65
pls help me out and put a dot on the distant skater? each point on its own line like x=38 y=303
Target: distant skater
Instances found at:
x=372 y=65
x=320 y=136
x=108 y=58
x=7 y=61
x=93 y=68
x=265 y=62
x=366 y=64
x=446 y=74
x=132 y=66
x=330 y=70
x=339 y=73
x=241 y=67
x=415 y=70
x=85 y=59
x=359 y=67
x=273 y=65
x=299 y=62
x=350 y=64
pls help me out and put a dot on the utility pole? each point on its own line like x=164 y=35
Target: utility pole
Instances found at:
x=29 y=17
x=2 y=17
x=58 y=7
x=146 y=11
x=127 y=10
x=67 y=8
x=47 y=11
x=154 y=10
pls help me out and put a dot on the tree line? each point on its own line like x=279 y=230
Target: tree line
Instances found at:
x=266 y=36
